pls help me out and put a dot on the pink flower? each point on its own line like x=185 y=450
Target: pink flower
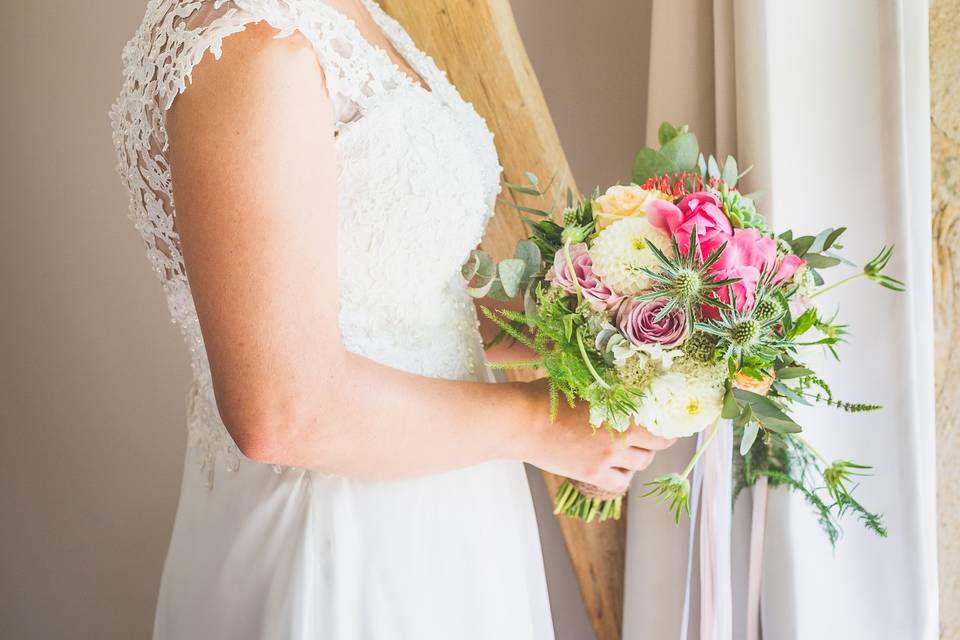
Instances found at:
x=744 y=290
x=748 y=247
x=700 y=209
x=788 y=267
x=637 y=320
x=600 y=296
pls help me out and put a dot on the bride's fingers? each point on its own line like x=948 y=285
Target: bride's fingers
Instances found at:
x=615 y=480
x=640 y=437
x=634 y=458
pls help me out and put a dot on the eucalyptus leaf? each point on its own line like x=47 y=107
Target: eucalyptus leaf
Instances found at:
x=702 y=165
x=682 y=151
x=729 y=174
x=534 y=180
x=650 y=163
x=746 y=415
x=820 y=261
x=749 y=437
x=511 y=274
x=730 y=407
x=770 y=415
x=529 y=253
x=788 y=373
x=470 y=267
x=496 y=291
x=802 y=244
x=833 y=237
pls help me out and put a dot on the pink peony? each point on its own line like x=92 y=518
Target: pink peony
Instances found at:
x=637 y=320
x=744 y=290
x=749 y=248
x=600 y=296
x=700 y=209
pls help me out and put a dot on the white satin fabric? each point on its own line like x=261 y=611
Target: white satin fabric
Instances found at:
x=265 y=552
x=829 y=101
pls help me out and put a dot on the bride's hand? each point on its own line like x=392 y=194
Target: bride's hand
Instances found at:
x=569 y=447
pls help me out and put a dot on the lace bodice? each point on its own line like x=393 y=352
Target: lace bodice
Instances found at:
x=418 y=176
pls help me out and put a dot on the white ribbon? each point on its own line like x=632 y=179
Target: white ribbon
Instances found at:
x=712 y=486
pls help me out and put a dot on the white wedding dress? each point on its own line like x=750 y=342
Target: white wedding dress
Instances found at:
x=266 y=552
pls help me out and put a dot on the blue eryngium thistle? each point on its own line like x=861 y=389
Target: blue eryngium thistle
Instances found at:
x=752 y=331
x=683 y=280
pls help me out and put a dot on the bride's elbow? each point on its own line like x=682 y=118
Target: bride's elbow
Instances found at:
x=279 y=435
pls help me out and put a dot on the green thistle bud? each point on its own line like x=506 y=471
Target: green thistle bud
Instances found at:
x=768 y=309
x=700 y=347
x=687 y=285
x=570 y=216
x=744 y=332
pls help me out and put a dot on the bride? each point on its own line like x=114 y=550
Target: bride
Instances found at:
x=350 y=471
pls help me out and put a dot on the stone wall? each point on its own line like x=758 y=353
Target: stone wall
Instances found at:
x=945 y=124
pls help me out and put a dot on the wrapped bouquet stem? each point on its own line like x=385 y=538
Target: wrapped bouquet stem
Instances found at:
x=669 y=303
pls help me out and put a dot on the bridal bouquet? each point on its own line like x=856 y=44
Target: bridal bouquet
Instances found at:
x=669 y=303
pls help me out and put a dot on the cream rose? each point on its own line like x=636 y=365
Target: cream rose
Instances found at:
x=623 y=202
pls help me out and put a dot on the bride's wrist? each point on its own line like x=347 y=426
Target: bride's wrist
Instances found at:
x=526 y=427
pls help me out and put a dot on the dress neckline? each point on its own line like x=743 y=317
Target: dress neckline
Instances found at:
x=422 y=77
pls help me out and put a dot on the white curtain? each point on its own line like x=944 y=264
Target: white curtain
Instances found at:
x=829 y=100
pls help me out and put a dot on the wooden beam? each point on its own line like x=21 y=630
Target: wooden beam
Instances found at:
x=478 y=45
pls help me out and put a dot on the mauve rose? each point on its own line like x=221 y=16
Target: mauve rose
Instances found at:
x=637 y=320
x=600 y=296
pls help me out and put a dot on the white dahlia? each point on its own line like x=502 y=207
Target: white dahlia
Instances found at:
x=619 y=252
x=682 y=400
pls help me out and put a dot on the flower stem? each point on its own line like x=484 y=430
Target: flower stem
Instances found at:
x=586 y=361
x=573 y=273
x=837 y=284
x=703 y=447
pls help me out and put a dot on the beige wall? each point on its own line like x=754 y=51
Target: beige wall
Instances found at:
x=93 y=375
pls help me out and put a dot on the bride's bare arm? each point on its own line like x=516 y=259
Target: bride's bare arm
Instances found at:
x=255 y=174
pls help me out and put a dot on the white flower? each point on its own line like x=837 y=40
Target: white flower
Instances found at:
x=683 y=400
x=619 y=252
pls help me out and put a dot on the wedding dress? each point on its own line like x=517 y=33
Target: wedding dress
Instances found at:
x=261 y=551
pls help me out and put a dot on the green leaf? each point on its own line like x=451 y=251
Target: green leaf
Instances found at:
x=749 y=437
x=650 y=163
x=833 y=237
x=511 y=274
x=519 y=188
x=530 y=304
x=820 y=261
x=730 y=174
x=534 y=180
x=713 y=169
x=745 y=416
x=730 y=407
x=788 y=373
x=767 y=412
x=666 y=133
x=568 y=321
x=529 y=253
x=702 y=165
x=802 y=244
x=470 y=267
x=682 y=151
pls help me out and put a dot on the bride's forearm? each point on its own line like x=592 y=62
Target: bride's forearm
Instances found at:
x=370 y=421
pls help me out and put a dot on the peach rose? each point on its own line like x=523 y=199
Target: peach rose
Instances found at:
x=749 y=383
x=621 y=202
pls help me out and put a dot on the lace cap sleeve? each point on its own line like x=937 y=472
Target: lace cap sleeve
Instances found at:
x=186 y=30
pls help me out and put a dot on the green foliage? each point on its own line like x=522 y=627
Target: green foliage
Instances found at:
x=678 y=152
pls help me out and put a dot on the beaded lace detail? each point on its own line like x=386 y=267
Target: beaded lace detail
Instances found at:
x=417 y=182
